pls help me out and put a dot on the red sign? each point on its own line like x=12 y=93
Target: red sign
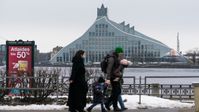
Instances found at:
x=20 y=65
x=20 y=59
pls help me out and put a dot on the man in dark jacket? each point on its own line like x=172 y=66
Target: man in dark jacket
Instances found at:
x=113 y=76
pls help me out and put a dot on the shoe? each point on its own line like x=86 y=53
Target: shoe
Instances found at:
x=88 y=110
x=104 y=110
x=123 y=109
x=107 y=106
x=81 y=110
x=125 y=100
x=117 y=109
x=72 y=110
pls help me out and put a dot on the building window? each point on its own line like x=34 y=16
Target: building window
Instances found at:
x=113 y=34
x=142 y=47
x=99 y=25
x=158 y=53
x=60 y=58
x=93 y=33
x=109 y=34
x=64 y=56
x=106 y=33
x=155 y=54
x=103 y=26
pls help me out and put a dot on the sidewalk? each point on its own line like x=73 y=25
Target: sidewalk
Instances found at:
x=138 y=110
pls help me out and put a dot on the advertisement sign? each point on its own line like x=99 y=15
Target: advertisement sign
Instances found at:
x=20 y=59
x=20 y=65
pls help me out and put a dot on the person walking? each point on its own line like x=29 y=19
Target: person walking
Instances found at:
x=78 y=87
x=99 y=91
x=123 y=64
x=113 y=77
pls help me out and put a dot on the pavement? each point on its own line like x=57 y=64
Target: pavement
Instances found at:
x=137 y=110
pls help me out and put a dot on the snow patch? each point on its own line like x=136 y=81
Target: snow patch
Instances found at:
x=147 y=102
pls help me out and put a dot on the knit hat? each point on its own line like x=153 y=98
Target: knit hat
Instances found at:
x=118 y=50
x=101 y=80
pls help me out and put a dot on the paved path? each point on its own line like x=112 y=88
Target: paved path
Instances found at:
x=139 y=110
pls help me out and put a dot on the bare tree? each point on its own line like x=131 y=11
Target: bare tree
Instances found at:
x=193 y=55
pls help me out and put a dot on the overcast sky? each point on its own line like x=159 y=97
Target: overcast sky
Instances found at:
x=59 y=22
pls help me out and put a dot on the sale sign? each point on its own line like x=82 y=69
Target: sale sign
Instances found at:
x=20 y=59
x=20 y=65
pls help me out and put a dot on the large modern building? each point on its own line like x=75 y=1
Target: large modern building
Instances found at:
x=104 y=35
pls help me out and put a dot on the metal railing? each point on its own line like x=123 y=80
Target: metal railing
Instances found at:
x=39 y=87
x=59 y=86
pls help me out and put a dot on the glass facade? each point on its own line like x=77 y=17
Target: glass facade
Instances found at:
x=105 y=35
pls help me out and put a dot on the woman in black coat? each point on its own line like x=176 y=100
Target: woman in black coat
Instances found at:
x=78 y=86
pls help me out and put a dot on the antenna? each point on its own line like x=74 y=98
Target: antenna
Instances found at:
x=178 y=43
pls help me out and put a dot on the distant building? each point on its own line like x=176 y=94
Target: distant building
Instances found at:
x=174 y=57
x=55 y=50
x=43 y=58
x=2 y=54
x=105 y=35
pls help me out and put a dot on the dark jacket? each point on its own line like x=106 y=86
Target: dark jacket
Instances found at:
x=113 y=68
x=99 y=91
x=78 y=88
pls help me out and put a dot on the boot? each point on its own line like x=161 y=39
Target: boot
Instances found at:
x=107 y=106
x=117 y=109
x=88 y=109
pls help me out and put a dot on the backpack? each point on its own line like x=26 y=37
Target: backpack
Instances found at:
x=104 y=63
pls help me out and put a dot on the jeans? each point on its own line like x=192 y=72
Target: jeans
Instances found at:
x=121 y=102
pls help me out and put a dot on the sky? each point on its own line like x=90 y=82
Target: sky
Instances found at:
x=52 y=23
x=147 y=102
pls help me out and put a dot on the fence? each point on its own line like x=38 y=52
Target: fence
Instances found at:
x=41 y=87
x=27 y=87
x=171 y=91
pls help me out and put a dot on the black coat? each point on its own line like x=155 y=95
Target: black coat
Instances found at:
x=78 y=89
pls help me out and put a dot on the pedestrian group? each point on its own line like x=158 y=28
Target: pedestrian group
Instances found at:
x=113 y=77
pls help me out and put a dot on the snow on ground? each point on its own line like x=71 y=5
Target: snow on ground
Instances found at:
x=34 y=107
x=132 y=103
x=153 y=102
